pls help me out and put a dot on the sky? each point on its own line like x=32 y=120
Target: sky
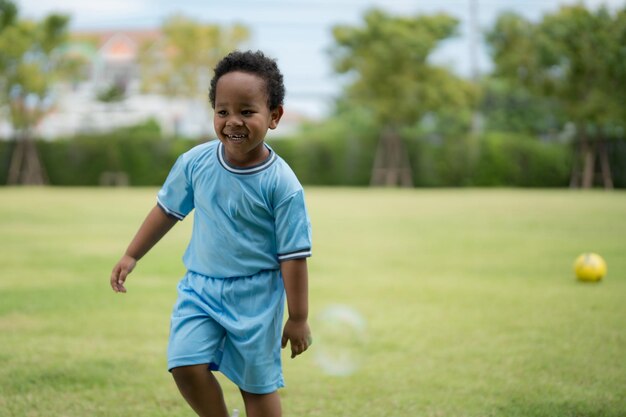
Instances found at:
x=297 y=33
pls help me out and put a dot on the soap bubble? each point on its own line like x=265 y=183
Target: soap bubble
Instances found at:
x=340 y=336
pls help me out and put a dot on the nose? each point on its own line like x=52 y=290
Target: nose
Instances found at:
x=234 y=120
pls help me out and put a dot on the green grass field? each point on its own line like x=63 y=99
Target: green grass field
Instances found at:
x=471 y=305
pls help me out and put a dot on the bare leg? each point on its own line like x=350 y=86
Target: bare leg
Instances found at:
x=262 y=405
x=201 y=390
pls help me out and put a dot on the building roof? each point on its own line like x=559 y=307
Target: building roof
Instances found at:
x=116 y=45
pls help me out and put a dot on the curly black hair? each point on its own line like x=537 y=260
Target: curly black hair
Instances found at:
x=255 y=63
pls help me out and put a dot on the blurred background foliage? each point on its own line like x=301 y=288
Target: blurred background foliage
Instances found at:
x=551 y=113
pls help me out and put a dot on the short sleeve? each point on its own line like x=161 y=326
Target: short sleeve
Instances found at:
x=176 y=195
x=293 y=228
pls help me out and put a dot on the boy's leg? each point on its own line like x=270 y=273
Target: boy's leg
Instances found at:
x=262 y=405
x=201 y=390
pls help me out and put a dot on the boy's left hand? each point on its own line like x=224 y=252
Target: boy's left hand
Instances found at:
x=298 y=334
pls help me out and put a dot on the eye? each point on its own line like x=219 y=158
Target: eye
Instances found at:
x=247 y=112
x=221 y=113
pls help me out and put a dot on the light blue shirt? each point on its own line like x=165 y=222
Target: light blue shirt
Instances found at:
x=246 y=219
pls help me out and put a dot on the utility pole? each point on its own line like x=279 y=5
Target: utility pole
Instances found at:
x=473 y=43
x=477 y=119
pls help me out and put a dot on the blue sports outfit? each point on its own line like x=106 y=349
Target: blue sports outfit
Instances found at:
x=229 y=310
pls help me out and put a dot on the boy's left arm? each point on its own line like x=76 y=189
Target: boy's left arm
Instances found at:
x=296 y=280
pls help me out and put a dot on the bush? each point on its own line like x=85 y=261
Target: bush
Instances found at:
x=337 y=152
x=617 y=161
x=494 y=159
x=6 y=150
x=138 y=153
x=507 y=159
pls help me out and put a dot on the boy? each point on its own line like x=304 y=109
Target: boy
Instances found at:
x=251 y=237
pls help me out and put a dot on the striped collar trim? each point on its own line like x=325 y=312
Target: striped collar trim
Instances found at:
x=248 y=170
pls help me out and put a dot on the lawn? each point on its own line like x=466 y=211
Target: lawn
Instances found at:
x=468 y=296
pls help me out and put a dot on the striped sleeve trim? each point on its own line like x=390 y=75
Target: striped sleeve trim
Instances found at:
x=168 y=211
x=303 y=253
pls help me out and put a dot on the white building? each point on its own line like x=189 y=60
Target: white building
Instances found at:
x=111 y=58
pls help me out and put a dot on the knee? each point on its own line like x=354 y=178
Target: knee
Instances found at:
x=185 y=376
x=262 y=404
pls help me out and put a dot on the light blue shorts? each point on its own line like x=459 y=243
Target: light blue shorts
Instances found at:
x=233 y=325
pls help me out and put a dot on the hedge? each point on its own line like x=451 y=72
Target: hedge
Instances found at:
x=334 y=154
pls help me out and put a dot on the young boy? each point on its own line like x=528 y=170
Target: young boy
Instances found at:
x=251 y=237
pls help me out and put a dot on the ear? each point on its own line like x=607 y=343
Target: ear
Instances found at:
x=275 y=116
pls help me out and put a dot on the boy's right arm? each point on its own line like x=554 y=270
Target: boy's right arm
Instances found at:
x=154 y=227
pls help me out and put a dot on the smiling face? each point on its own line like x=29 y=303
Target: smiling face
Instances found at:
x=242 y=117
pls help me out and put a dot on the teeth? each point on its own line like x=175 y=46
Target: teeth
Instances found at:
x=236 y=136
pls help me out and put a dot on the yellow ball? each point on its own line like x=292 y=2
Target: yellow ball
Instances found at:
x=590 y=267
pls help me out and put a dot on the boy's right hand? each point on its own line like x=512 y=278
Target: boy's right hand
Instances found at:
x=121 y=271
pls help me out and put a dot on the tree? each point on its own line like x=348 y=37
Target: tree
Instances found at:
x=510 y=108
x=28 y=68
x=575 y=58
x=181 y=62
x=387 y=59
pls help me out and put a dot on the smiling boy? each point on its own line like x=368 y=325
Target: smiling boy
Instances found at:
x=250 y=240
